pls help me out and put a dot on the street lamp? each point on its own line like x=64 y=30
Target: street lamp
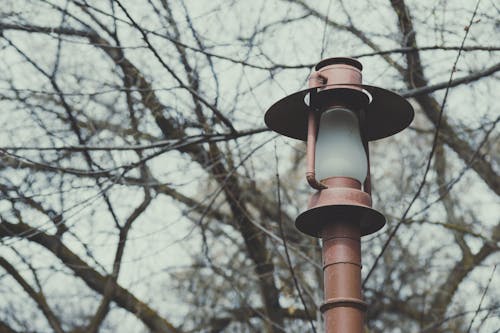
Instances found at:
x=337 y=117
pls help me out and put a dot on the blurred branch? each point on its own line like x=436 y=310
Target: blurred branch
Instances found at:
x=112 y=280
x=92 y=278
x=171 y=144
x=38 y=297
x=440 y=166
x=196 y=95
x=415 y=79
x=431 y=328
x=4 y=328
x=83 y=33
x=453 y=83
x=219 y=324
x=285 y=246
x=430 y=48
x=415 y=74
x=482 y=298
x=447 y=289
x=255 y=244
x=350 y=28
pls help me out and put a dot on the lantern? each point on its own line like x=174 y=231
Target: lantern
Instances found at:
x=338 y=116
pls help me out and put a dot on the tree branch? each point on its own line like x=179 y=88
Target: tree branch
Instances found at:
x=92 y=278
x=415 y=79
x=456 y=82
x=38 y=297
x=111 y=282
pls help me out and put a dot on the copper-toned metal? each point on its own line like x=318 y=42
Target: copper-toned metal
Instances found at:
x=343 y=182
x=341 y=200
x=340 y=74
x=311 y=153
x=316 y=80
x=339 y=194
x=343 y=308
x=312 y=132
x=340 y=212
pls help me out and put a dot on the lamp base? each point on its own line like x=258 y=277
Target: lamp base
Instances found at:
x=312 y=221
x=343 y=200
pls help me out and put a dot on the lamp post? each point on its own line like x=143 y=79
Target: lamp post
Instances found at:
x=337 y=117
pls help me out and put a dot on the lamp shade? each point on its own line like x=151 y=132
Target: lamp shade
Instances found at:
x=387 y=113
x=339 y=149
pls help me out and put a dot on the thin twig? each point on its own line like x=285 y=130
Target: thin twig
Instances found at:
x=52 y=31
x=323 y=41
x=482 y=298
x=467 y=166
x=432 y=328
x=452 y=83
x=431 y=153
x=283 y=237
x=174 y=144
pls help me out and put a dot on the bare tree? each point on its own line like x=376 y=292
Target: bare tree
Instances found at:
x=140 y=190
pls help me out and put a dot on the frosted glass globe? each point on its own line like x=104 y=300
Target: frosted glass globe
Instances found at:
x=339 y=149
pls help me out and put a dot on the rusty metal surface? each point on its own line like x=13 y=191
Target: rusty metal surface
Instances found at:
x=387 y=114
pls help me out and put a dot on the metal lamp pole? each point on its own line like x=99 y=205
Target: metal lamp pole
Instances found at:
x=337 y=117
